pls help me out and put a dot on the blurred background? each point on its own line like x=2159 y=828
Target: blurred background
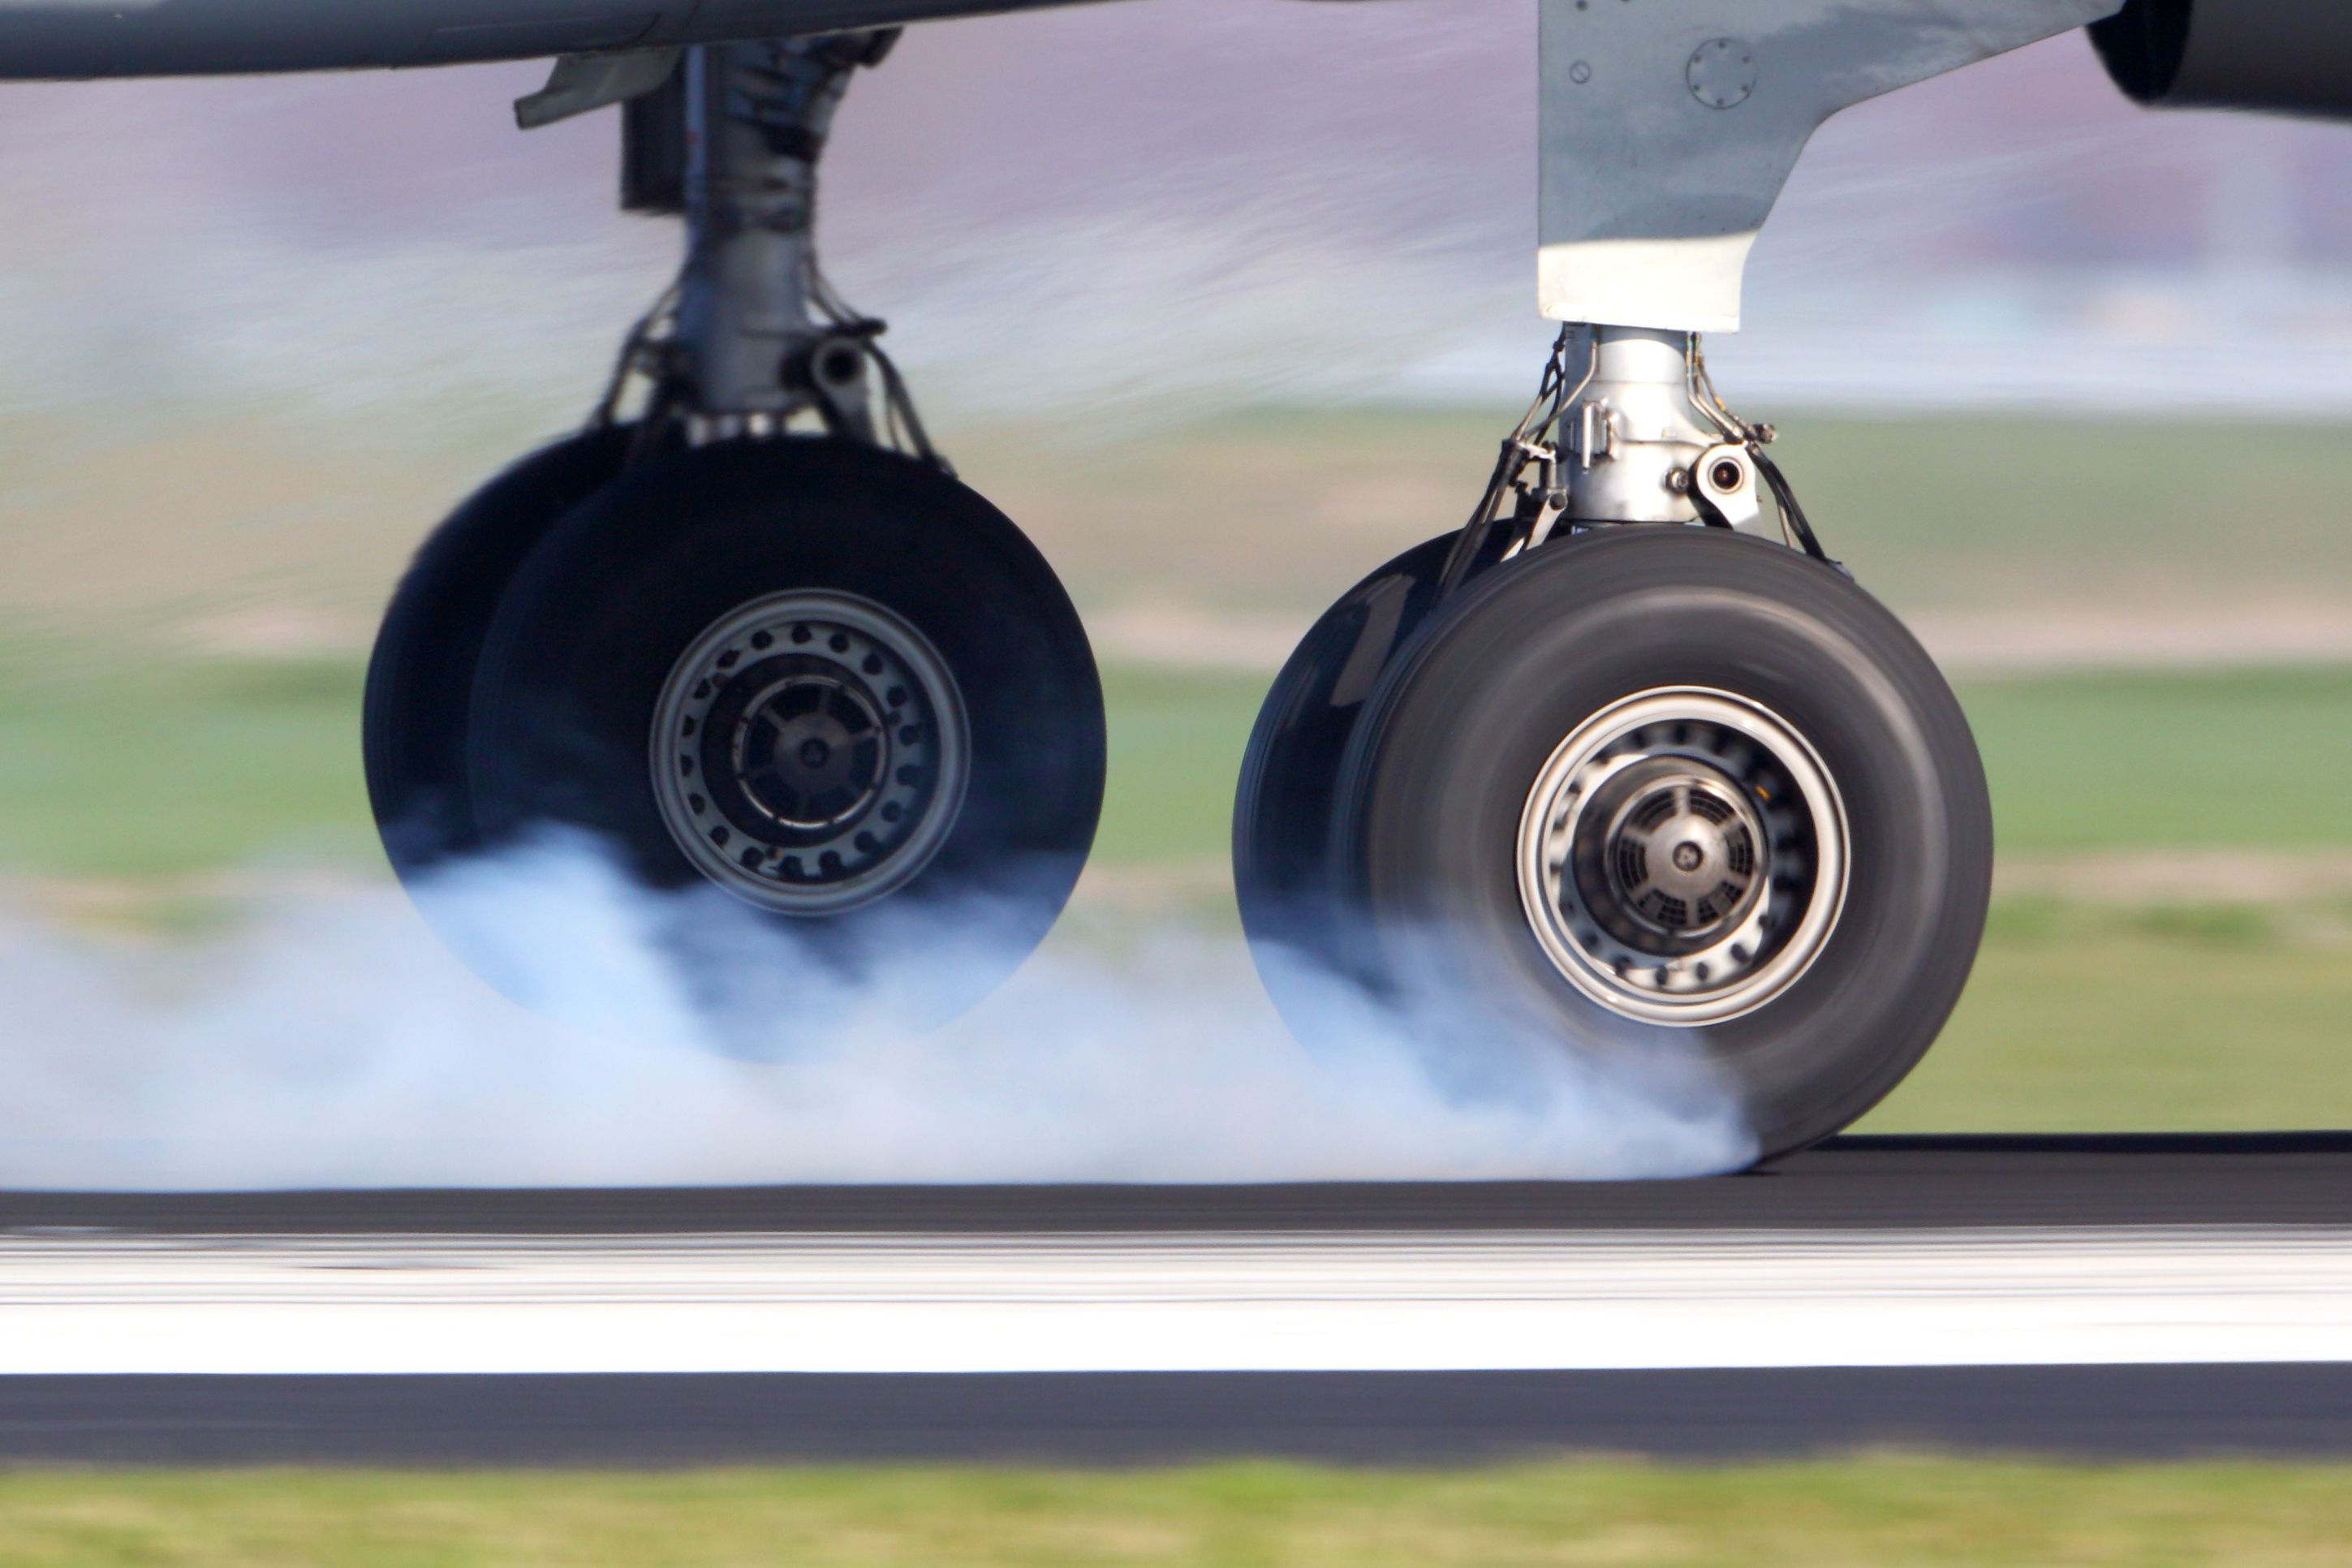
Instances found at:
x=1226 y=303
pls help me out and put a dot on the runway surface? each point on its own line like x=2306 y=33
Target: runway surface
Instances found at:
x=2076 y=1295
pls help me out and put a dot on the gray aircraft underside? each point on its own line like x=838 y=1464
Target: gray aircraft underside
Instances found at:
x=53 y=39
x=1668 y=127
x=2292 y=54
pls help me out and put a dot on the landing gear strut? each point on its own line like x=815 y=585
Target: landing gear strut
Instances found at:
x=748 y=630
x=753 y=337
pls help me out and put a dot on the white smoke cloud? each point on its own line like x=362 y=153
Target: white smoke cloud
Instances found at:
x=333 y=1042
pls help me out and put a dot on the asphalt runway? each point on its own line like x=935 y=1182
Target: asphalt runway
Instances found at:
x=2146 y=1296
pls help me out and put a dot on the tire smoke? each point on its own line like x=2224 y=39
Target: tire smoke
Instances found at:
x=335 y=1042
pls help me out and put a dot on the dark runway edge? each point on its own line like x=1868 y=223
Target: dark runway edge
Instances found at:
x=2165 y=1412
x=1848 y=1183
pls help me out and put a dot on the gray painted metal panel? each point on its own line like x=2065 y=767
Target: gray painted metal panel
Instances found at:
x=1679 y=121
x=71 y=39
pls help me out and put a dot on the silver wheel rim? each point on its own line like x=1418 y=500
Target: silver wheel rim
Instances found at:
x=810 y=753
x=1683 y=856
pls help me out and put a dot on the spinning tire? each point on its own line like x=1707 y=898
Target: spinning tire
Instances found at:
x=420 y=679
x=828 y=679
x=1652 y=788
x=1290 y=771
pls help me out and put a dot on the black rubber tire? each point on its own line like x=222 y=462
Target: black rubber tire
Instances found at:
x=420 y=679
x=590 y=630
x=1290 y=771
x=1441 y=762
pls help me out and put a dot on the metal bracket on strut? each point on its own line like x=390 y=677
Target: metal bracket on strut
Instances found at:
x=1594 y=433
x=579 y=84
x=1723 y=482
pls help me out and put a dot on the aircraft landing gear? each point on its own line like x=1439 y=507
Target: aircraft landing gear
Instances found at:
x=1612 y=764
x=757 y=636
x=1632 y=786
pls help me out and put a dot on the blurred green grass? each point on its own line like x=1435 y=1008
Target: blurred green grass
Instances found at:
x=1868 y=1513
x=2120 y=1020
x=2227 y=759
x=159 y=765
x=1984 y=510
x=134 y=767
x=2087 y=762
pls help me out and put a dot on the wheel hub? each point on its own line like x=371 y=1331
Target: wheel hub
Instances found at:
x=810 y=752
x=1682 y=852
x=1683 y=856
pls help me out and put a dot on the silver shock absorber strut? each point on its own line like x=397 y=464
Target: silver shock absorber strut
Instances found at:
x=1636 y=438
x=1627 y=427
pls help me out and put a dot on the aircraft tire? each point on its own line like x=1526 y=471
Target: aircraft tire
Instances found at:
x=420 y=679
x=1668 y=797
x=1291 y=771
x=826 y=678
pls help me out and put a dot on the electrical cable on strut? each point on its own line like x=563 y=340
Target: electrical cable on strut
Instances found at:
x=638 y=352
x=1521 y=449
x=1754 y=437
x=903 y=427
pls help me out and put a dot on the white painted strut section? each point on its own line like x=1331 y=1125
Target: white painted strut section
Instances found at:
x=77 y=1303
x=1673 y=285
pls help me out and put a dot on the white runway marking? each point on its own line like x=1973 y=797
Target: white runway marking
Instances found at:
x=107 y=1303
